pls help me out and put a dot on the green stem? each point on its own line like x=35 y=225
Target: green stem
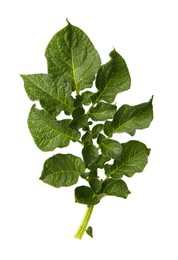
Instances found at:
x=84 y=223
x=80 y=142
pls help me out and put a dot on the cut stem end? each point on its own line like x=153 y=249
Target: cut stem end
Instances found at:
x=84 y=223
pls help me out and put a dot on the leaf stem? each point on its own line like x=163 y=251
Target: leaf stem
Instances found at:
x=84 y=223
x=80 y=142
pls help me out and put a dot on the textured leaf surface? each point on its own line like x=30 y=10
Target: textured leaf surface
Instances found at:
x=108 y=128
x=48 y=133
x=96 y=130
x=102 y=111
x=112 y=78
x=54 y=95
x=100 y=162
x=116 y=188
x=79 y=122
x=111 y=148
x=95 y=184
x=90 y=154
x=80 y=119
x=86 y=97
x=134 y=159
x=71 y=54
x=85 y=195
x=62 y=170
x=87 y=138
x=129 y=118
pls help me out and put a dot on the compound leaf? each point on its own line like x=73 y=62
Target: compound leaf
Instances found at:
x=49 y=133
x=116 y=188
x=129 y=118
x=73 y=65
x=134 y=159
x=71 y=54
x=102 y=111
x=54 y=95
x=85 y=195
x=62 y=170
x=112 y=78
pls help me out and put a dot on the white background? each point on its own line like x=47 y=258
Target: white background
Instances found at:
x=38 y=221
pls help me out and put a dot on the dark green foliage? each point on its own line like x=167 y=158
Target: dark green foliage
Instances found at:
x=90 y=154
x=62 y=170
x=116 y=188
x=102 y=111
x=73 y=65
x=89 y=231
x=85 y=195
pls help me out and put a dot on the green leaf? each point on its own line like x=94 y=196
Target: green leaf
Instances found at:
x=78 y=111
x=86 y=97
x=87 y=138
x=48 y=133
x=93 y=174
x=77 y=101
x=90 y=154
x=112 y=78
x=54 y=95
x=95 y=184
x=116 y=188
x=108 y=128
x=79 y=122
x=96 y=130
x=134 y=159
x=102 y=111
x=71 y=54
x=100 y=162
x=80 y=119
x=89 y=231
x=85 y=195
x=111 y=148
x=129 y=118
x=62 y=170
x=100 y=138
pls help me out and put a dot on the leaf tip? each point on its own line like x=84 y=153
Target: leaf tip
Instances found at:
x=68 y=21
x=126 y=195
x=22 y=76
x=148 y=150
x=112 y=52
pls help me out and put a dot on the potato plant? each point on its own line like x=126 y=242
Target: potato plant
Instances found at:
x=85 y=91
